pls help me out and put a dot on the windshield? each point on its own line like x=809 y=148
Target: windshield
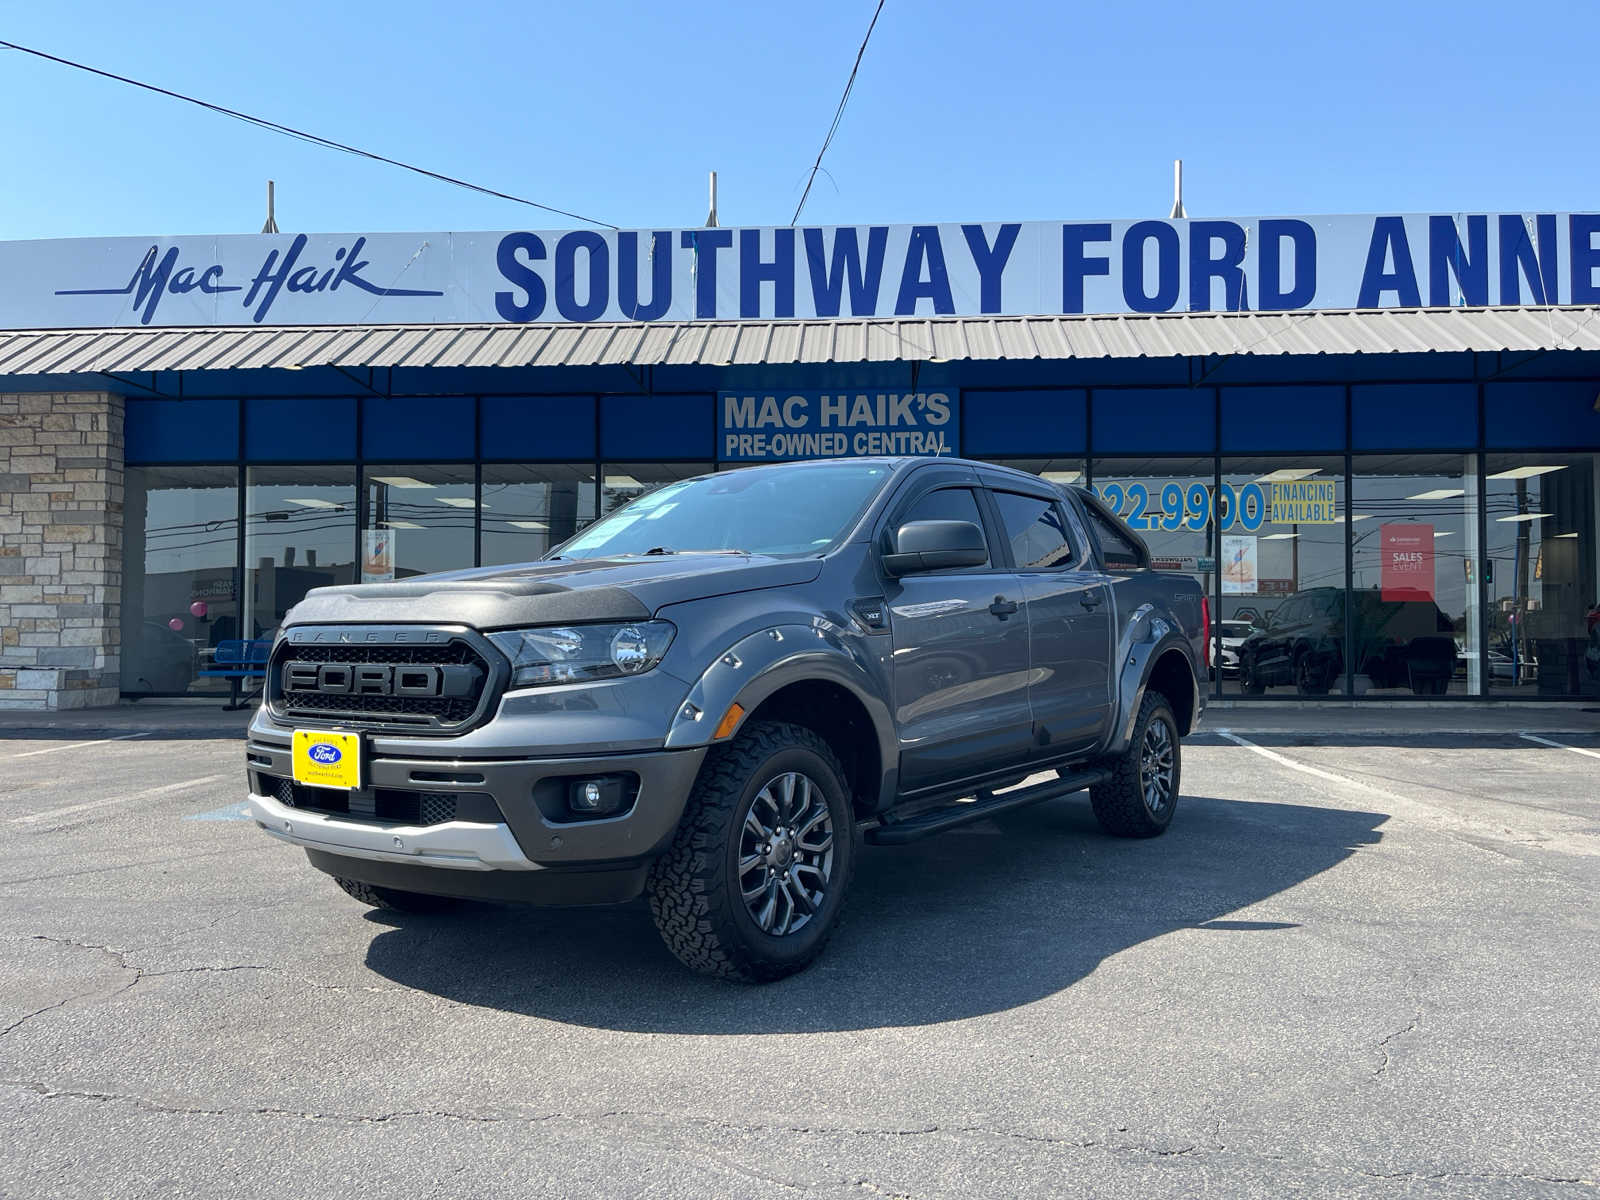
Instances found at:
x=1237 y=629
x=785 y=511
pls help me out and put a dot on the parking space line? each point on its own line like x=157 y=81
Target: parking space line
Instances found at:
x=81 y=745
x=1304 y=768
x=183 y=785
x=1559 y=745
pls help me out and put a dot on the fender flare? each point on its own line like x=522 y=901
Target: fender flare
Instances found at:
x=761 y=663
x=1149 y=638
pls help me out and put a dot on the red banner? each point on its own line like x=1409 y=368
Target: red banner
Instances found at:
x=1407 y=561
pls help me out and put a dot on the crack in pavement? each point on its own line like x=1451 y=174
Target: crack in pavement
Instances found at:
x=148 y=1104
x=1382 y=1046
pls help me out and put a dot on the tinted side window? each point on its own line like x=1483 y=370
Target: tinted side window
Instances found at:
x=1116 y=550
x=946 y=504
x=1036 y=530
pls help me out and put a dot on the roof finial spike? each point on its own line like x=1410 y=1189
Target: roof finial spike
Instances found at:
x=1177 y=191
x=272 y=209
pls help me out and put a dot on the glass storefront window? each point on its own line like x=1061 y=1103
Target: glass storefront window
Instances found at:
x=1541 y=575
x=529 y=508
x=1167 y=502
x=418 y=519
x=622 y=482
x=181 y=527
x=300 y=533
x=1415 y=558
x=1279 y=628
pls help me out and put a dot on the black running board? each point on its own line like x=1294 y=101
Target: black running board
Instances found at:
x=987 y=804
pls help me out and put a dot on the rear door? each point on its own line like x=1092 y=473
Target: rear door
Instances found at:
x=960 y=637
x=1069 y=619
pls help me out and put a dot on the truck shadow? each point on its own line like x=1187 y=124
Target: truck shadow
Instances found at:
x=976 y=921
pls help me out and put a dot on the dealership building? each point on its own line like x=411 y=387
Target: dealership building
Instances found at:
x=1376 y=434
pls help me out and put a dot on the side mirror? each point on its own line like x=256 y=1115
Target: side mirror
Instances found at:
x=936 y=546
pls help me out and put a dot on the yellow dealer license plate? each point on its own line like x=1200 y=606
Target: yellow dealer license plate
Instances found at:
x=324 y=759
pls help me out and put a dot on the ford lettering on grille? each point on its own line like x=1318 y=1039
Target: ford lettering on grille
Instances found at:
x=420 y=680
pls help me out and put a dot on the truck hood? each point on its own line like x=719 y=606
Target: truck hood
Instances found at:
x=631 y=588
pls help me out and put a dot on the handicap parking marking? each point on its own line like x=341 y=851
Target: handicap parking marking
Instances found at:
x=230 y=812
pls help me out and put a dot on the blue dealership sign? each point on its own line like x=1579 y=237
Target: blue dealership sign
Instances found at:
x=849 y=271
x=768 y=426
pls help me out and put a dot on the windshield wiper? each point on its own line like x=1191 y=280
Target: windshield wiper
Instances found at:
x=655 y=550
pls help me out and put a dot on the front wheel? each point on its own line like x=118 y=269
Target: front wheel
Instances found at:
x=1142 y=794
x=753 y=882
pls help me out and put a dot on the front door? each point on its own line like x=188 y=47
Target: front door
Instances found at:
x=1069 y=621
x=960 y=659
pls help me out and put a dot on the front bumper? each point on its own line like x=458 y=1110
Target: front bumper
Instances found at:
x=457 y=845
x=514 y=826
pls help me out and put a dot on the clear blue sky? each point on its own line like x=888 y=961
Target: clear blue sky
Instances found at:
x=963 y=110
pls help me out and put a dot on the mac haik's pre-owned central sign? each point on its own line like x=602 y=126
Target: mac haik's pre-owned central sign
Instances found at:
x=851 y=271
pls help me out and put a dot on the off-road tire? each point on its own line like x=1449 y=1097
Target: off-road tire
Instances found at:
x=1119 y=803
x=396 y=900
x=693 y=888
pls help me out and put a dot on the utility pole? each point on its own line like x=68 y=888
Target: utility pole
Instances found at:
x=272 y=206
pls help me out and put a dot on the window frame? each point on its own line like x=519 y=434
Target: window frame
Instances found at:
x=901 y=505
x=1092 y=509
x=994 y=490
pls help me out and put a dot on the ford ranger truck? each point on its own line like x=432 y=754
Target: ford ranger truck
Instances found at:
x=715 y=694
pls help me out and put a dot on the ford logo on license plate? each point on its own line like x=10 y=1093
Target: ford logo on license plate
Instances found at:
x=322 y=752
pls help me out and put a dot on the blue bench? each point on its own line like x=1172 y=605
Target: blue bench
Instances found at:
x=238 y=659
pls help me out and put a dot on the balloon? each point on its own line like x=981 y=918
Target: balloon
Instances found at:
x=176 y=624
x=197 y=609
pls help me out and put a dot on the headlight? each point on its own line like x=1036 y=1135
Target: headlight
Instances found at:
x=580 y=653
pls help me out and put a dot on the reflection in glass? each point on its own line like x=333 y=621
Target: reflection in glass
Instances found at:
x=300 y=533
x=527 y=508
x=621 y=482
x=1414 y=592
x=1542 y=576
x=180 y=551
x=1280 y=620
x=419 y=519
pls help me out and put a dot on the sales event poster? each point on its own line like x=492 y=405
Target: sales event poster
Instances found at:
x=1407 y=551
x=1240 y=567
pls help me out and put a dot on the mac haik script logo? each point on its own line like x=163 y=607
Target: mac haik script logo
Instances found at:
x=159 y=275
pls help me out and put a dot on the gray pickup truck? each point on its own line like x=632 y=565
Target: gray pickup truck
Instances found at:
x=716 y=693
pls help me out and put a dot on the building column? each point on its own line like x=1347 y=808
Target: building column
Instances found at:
x=60 y=549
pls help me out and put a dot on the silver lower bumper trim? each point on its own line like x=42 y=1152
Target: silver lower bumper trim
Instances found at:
x=457 y=845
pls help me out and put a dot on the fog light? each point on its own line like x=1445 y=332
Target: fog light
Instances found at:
x=596 y=797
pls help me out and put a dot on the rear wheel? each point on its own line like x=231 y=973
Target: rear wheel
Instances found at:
x=396 y=900
x=1250 y=681
x=1141 y=796
x=1310 y=677
x=753 y=883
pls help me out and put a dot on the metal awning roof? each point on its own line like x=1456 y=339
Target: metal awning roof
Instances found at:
x=731 y=343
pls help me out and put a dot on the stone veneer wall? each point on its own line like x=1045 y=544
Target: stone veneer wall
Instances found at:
x=60 y=549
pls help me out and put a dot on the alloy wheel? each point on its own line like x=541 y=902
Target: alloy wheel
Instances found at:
x=1157 y=766
x=786 y=853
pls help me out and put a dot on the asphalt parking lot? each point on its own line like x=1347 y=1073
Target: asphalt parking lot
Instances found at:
x=1360 y=963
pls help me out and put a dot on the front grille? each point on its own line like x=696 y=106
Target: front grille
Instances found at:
x=414 y=713
x=395 y=805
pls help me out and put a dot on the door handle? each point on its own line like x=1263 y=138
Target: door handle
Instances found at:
x=1090 y=599
x=1002 y=607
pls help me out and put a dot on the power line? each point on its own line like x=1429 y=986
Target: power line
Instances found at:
x=302 y=135
x=838 y=114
